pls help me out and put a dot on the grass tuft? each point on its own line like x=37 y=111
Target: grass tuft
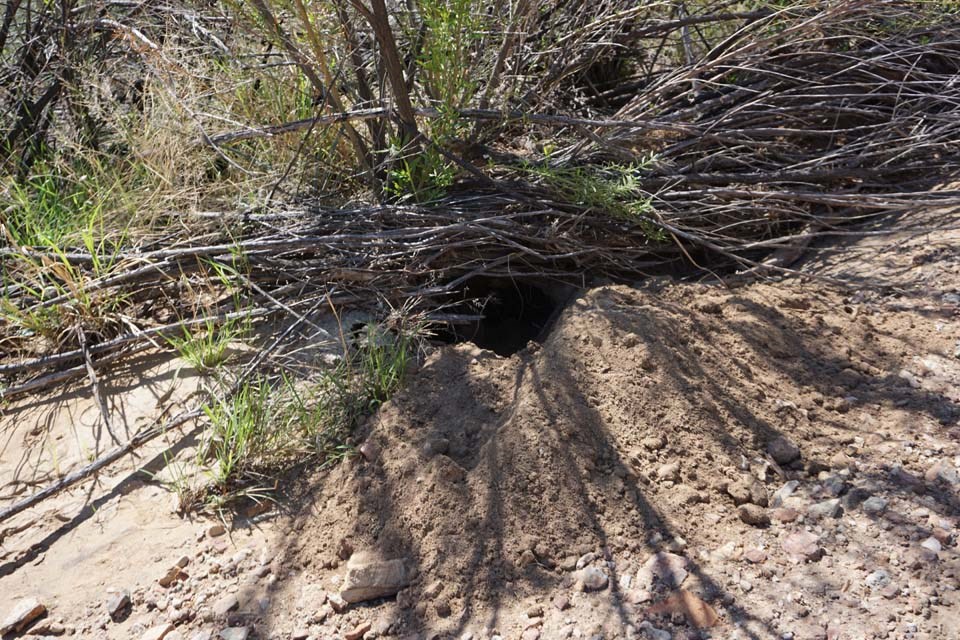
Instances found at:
x=209 y=348
x=271 y=424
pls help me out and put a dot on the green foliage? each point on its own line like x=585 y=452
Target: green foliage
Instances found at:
x=44 y=322
x=421 y=177
x=95 y=313
x=611 y=189
x=268 y=425
x=209 y=348
x=449 y=66
x=447 y=59
x=49 y=206
x=240 y=432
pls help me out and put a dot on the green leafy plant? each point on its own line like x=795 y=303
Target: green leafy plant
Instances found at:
x=611 y=189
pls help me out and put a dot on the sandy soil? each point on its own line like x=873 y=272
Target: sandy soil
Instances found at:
x=772 y=460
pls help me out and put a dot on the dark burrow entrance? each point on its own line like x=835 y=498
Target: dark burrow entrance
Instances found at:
x=502 y=315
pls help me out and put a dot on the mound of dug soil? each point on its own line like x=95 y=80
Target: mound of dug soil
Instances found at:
x=672 y=461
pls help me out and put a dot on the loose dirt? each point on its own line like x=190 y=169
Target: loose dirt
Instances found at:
x=772 y=460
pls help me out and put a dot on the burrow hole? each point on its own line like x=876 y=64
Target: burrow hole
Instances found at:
x=501 y=314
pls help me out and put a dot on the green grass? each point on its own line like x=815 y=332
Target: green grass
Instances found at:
x=240 y=432
x=271 y=424
x=45 y=322
x=209 y=348
x=51 y=206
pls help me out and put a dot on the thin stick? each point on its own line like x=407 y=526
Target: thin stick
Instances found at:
x=95 y=386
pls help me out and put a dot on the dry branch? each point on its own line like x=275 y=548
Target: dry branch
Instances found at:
x=793 y=124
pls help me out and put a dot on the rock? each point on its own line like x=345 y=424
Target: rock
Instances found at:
x=337 y=602
x=932 y=544
x=669 y=568
x=783 y=493
x=225 y=605
x=652 y=632
x=531 y=633
x=755 y=556
x=370 y=451
x=22 y=614
x=728 y=551
x=561 y=602
x=158 y=632
x=685 y=494
x=312 y=597
x=117 y=604
x=677 y=544
x=698 y=613
x=825 y=509
x=874 y=505
x=216 y=530
x=443 y=609
x=592 y=579
x=942 y=472
x=48 y=629
x=586 y=559
x=527 y=558
x=754 y=515
x=235 y=633
x=669 y=471
x=877 y=579
x=535 y=611
x=802 y=545
x=739 y=491
x=369 y=578
x=173 y=574
x=358 y=631
x=203 y=634
x=655 y=442
x=785 y=515
x=783 y=450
